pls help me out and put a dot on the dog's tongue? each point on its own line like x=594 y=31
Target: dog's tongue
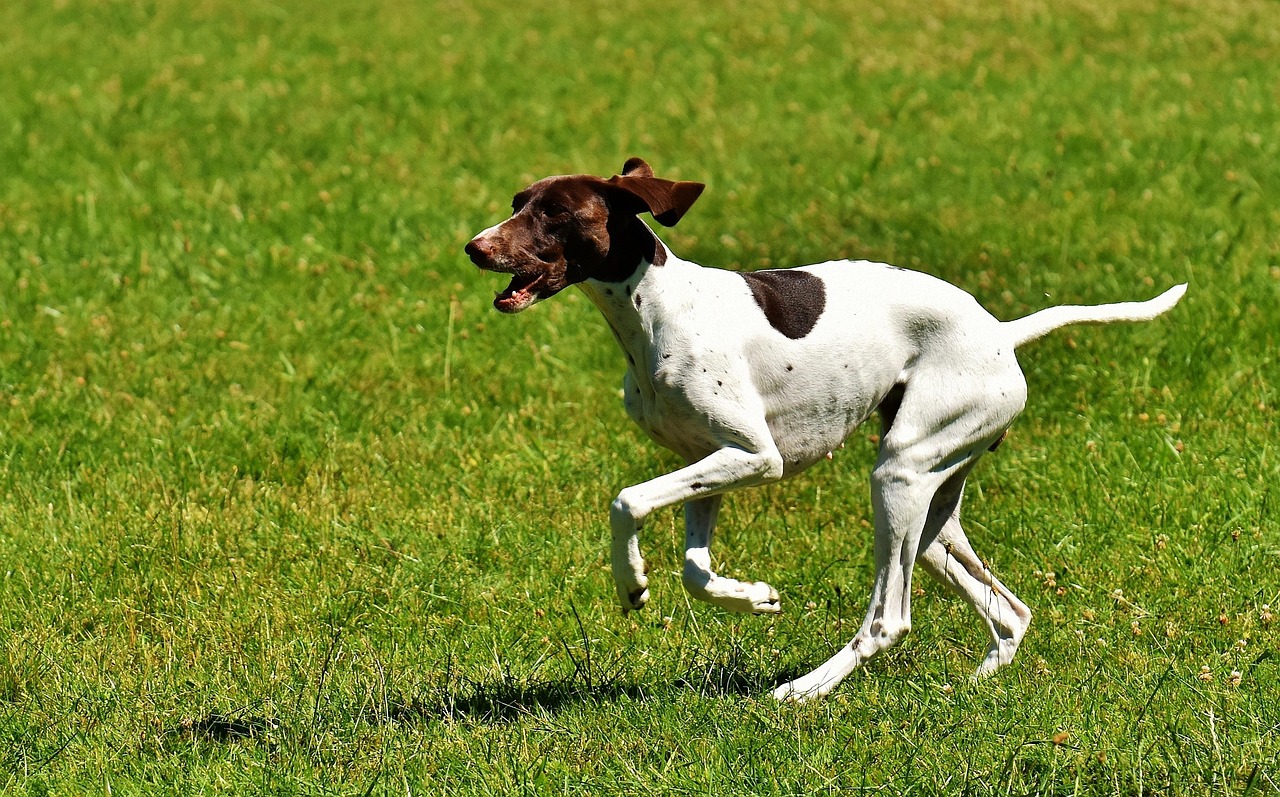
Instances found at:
x=517 y=296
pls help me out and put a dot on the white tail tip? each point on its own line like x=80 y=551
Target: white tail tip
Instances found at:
x=1174 y=294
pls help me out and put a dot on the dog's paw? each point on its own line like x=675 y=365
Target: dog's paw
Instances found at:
x=755 y=597
x=791 y=692
x=998 y=655
x=636 y=599
x=765 y=599
x=633 y=599
x=802 y=690
x=786 y=693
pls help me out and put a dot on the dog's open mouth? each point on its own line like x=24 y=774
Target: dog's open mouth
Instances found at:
x=519 y=294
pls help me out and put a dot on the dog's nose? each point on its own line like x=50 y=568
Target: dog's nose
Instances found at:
x=478 y=251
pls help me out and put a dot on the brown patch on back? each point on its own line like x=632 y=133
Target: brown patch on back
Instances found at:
x=792 y=300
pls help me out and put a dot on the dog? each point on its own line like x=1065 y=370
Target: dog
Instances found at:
x=754 y=377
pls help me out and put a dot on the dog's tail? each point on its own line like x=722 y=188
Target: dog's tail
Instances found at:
x=1029 y=328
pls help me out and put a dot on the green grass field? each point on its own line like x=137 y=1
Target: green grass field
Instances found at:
x=287 y=508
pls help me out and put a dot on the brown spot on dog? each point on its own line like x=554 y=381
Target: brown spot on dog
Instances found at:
x=792 y=300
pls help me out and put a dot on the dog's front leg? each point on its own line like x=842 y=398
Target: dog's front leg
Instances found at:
x=729 y=468
x=702 y=582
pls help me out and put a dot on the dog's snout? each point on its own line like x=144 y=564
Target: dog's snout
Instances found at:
x=478 y=251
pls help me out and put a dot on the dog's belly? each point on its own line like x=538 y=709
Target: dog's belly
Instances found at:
x=805 y=441
x=809 y=410
x=811 y=414
x=817 y=391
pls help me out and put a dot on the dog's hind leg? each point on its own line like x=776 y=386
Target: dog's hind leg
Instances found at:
x=931 y=442
x=702 y=582
x=902 y=501
x=952 y=562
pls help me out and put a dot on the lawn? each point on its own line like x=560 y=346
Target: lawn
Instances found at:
x=287 y=508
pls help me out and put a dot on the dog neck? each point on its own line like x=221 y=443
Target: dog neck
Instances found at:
x=622 y=302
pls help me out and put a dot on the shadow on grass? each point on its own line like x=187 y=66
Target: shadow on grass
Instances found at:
x=504 y=701
x=592 y=682
x=508 y=699
x=725 y=674
x=218 y=727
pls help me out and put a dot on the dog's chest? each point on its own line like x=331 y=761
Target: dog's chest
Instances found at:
x=669 y=418
x=679 y=388
x=678 y=372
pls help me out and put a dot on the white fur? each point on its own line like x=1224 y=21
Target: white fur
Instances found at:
x=712 y=380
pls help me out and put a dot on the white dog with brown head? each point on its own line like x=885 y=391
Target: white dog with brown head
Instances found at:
x=753 y=377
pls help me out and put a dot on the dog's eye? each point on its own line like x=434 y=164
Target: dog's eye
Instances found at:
x=555 y=211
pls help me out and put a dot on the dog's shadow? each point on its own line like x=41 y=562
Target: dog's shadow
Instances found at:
x=507 y=700
x=502 y=701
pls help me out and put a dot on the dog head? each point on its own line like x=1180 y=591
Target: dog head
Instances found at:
x=564 y=230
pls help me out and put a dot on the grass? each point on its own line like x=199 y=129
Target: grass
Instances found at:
x=285 y=507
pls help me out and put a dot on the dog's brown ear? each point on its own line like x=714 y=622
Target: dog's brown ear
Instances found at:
x=636 y=167
x=667 y=200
